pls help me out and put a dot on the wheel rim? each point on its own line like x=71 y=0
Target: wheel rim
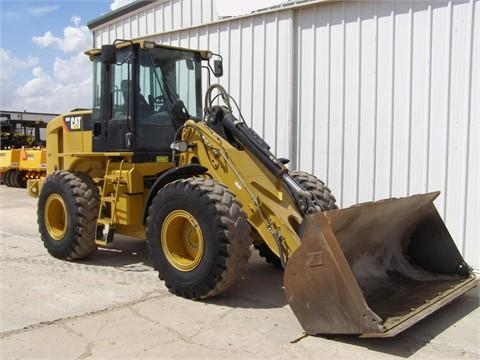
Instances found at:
x=56 y=219
x=182 y=240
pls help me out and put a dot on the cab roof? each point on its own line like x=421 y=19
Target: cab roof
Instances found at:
x=146 y=44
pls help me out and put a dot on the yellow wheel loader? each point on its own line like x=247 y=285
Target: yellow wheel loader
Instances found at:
x=22 y=154
x=153 y=160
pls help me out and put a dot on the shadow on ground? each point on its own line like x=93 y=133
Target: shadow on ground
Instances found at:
x=262 y=288
x=123 y=251
x=413 y=339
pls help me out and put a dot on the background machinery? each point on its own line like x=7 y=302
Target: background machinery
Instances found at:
x=151 y=161
x=22 y=154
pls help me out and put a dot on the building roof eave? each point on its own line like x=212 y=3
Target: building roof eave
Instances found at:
x=118 y=12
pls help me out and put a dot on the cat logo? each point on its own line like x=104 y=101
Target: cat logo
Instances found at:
x=74 y=122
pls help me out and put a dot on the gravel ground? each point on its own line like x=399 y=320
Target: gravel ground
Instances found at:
x=113 y=306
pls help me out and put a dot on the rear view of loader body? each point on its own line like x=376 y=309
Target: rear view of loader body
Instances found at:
x=9 y=162
x=22 y=154
x=201 y=187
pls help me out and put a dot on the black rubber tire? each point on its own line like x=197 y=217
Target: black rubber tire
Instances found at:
x=5 y=178
x=269 y=256
x=317 y=187
x=11 y=178
x=81 y=202
x=8 y=177
x=19 y=179
x=14 y=178
x=310 y=183
x=225 y=234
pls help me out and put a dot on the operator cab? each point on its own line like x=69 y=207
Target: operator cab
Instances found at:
x=143 y=93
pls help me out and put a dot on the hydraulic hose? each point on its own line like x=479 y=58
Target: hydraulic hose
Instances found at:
x=242 y=134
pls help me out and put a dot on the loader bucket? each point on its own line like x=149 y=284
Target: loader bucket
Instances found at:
x=374 y=269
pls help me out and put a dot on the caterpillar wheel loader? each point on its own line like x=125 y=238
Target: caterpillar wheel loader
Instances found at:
x=23 y=153
x=154 y=161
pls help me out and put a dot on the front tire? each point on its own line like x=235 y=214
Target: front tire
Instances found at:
x=67 y=213
x=198 y=237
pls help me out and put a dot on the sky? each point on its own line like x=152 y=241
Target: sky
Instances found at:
x=42 y=65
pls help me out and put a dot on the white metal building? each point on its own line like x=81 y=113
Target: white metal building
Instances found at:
x=378 y=98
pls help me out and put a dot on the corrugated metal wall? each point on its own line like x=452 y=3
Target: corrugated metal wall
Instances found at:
x=379 y=99
x=256 y=64
x=160 y=16
x=389 y=99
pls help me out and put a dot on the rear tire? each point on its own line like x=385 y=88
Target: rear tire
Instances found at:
x=19 y=179
x=198 y=237
x=8 y=177
x=67 y=213
x=269 y=256
x=318 y=188
x=14 y=178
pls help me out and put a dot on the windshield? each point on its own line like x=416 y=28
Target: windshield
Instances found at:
x=170 y=79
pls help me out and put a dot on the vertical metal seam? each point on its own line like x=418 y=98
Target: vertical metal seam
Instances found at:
x=163 y=17
x=293 y=49
x=252 y=72
x=375 y=132
x=410 y=99
x=299 y=118
x=469 y=124
x=359 y=99
x=130 y=26
x=191 y=13
x=392 y=99
x=329 y=95
x=181 y=13
x=314 y=92
x=344 y=62
x=188 y=77
x=218 y=49
x=172 y=24
x=154 y=21
x=240 y=30
x=145 y=27
x=212 y=11
x=448 y=109
x=229 y=63
x=276 y=84
x=197 y=35
x=429 y=94
x=207 y=33
x=201 y=11
x=263 y=72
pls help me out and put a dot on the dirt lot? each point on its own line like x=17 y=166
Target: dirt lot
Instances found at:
x=113 y=306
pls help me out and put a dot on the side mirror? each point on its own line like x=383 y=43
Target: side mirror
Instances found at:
x=217 y=68
x=190 y=65
x=109 y=54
